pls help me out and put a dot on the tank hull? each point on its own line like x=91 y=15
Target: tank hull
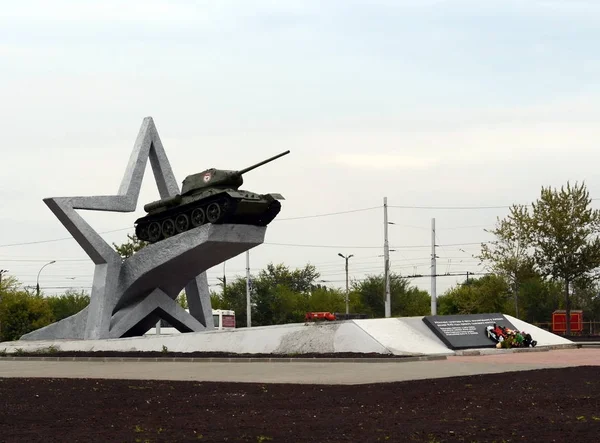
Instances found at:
x=182 y=213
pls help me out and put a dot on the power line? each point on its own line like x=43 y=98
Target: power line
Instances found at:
x=305 y=217
x=322 y=246
x=328 y=214
x=370 y=247
x=464 y=207
x=449 y=207
x=445 y=275
x=129 y=228
x=56 y=239
x=318 y=216
x=464 y=227
x=43 y=260
x=280 y=244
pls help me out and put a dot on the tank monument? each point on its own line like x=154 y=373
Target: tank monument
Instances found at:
x=189 y=231
x=210 y=221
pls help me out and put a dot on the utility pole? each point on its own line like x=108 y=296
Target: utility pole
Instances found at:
x=347 y=293
x=248 y=304
x=386 y=254
x=433 y=270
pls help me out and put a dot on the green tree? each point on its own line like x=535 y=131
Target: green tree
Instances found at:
x=563 y=233
x=586 y=296
x=278 y=295
x=323 y=299
x=299 y=280
x=404 y=299
x=67 y=304
x=510 y=255
x=539 y=299
x=130 y=247
x=216 y=301
x=21 y=312
x=9 y=283
x=487 y=294
x=281 y=295
x=182 y=300
x=233 y=297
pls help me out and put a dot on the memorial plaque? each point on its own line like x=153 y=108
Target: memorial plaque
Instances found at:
x=465 y=331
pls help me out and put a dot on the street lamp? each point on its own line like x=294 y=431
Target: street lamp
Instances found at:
x=346 y=258
x=2 y=272
x=38 y=277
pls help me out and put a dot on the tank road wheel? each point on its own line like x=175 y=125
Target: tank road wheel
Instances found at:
x=182 y=223
x=168 y=228
x=141 y=231
x=213 y=212
x=198 y=217
x=154 y=232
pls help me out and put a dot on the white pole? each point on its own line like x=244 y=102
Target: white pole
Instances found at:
x=386 y=254
x=248 y=304
x=347 y=301
x=347 y=293
x=433 y=271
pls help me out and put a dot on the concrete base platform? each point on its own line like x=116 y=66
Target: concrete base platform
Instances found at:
x=407 y=336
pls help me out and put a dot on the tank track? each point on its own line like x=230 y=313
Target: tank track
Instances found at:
x=154 y=228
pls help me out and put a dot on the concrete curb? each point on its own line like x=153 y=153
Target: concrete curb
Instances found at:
x=495 y=351
x=582 y=344
x=229 y=360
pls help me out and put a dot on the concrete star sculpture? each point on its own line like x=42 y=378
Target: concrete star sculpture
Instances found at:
x=129 y=296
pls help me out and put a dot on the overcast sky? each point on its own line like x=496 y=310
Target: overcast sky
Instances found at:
x=428 y=103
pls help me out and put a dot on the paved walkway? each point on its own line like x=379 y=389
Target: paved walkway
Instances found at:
x=300 y=372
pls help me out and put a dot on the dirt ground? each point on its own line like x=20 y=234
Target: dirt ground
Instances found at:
x=542 y=405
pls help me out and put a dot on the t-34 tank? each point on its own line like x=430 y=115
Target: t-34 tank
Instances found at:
x=211 y=196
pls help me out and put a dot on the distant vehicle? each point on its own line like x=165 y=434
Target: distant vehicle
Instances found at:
x=222 y=318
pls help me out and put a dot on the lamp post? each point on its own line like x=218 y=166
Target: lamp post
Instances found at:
x=346 y=258
x=37 y=286
x=2 y=272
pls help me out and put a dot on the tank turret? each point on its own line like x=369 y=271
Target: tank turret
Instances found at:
x=210 y=196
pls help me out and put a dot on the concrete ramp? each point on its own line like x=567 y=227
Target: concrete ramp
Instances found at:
x=402 y=336
x=543 y=337
x=296 y=338
x=408 y=336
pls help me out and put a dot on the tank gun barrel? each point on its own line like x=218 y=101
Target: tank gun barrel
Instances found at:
x=250 y=168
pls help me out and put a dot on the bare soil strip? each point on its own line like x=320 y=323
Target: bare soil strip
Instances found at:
x=541 y=405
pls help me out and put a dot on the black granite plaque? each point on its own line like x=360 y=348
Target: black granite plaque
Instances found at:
x=465 y=331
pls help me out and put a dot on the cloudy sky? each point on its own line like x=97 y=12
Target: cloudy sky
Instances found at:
x=450 y=109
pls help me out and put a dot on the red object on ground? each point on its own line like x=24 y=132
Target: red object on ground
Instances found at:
x=319 y=316
x=559 y=321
